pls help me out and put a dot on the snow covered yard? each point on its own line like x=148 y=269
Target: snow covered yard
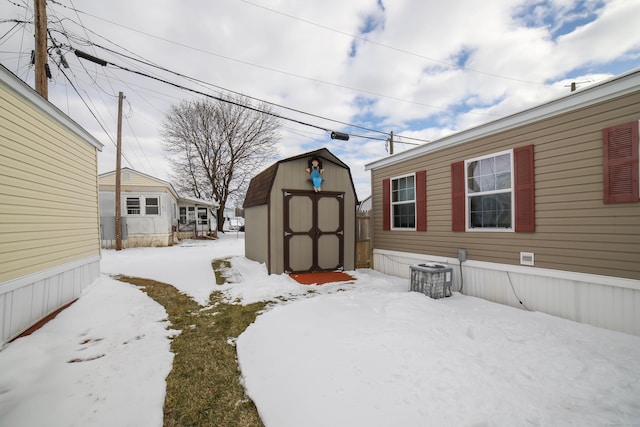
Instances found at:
x=367 y=353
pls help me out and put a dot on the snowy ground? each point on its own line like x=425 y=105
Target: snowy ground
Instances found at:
x=363 y=354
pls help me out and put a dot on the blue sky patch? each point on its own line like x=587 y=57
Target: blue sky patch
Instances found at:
x=558 y=20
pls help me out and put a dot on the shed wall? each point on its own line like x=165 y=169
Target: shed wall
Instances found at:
x=256 y=233
x=575 y=230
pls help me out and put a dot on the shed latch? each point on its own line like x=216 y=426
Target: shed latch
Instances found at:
x=287 y=234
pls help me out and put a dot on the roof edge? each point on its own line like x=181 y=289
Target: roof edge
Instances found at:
x=162 y=181
x=28 y=94
x=611 y=88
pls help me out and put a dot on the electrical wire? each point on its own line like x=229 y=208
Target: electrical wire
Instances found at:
x=159 y=67
x=89 y=43
x=514 y=292
x=222 y=99
x=461 y=277
x=386 y=46
x=93 y=114
x=207 y=52
x=228 y=90
x=148 y=75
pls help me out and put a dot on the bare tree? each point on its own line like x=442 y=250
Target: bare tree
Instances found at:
x=216 y=146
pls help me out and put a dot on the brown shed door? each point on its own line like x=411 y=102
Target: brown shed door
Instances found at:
x=313 y=231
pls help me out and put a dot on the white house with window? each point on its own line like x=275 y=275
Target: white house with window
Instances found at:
x=538 y=209
x=153 y=213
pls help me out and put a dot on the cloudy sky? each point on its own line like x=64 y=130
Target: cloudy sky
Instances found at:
x=420 y=68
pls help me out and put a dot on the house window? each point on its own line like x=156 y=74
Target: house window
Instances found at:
x=489 y=192
x=202 y=216
x=133 y=206
x=403 y=202
x=183 y=215
x=472 y=180
x=191 y=214
x=151 y=206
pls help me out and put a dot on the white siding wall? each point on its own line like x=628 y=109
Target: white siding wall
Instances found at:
x=25 y=301
x=602 y=301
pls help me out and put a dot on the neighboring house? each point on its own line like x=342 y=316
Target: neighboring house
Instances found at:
x=365 y=205
x=153 y=214
x=233 y=220
x=49 y=226
x=544 y=202
x=293 y=229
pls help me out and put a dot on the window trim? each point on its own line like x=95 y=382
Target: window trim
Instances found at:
x=392 y=203
x=467 y=196
x=126 y=206
x=157 y=206
x=199 y=220
x=142 y=205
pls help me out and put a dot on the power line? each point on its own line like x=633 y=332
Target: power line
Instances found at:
x=386 y=46
x=68 y=35
x=238 y=93
x=379 y=95
x=92 y=113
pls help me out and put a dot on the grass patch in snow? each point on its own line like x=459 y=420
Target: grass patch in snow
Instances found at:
x=204 y=387
x=223 y=270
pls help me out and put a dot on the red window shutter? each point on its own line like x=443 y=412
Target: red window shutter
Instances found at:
x=421 y=201
x=458 y=215
x=386 y=204
x=524 y=189
x=621 y=163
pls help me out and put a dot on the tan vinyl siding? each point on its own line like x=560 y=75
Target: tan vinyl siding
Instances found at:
x=575 y=230
x=48 y=192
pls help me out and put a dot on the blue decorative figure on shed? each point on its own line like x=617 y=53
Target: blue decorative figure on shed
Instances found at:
x=315 y=170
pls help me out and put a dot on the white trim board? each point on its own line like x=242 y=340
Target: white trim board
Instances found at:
x=533 y=271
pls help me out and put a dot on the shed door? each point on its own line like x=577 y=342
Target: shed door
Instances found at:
x=313 y=231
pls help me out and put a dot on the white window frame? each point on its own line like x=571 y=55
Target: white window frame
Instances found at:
x=126 y=206
x=145 y=205
x=468 y=195
x=205 y=220
x=142 y=205
x=403 y=202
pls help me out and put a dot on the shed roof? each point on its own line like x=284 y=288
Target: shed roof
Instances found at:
x=260 y=186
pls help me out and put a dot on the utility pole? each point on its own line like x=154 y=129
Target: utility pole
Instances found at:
x=40 y=50
x=391 y=142
x=118 y=166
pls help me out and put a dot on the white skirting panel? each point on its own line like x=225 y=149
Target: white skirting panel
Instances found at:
x=607 y=302
x=25 y=301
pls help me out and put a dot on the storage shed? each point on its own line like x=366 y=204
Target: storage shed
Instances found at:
x=294 y=229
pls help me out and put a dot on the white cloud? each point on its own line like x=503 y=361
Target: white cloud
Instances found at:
x=423 y=69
